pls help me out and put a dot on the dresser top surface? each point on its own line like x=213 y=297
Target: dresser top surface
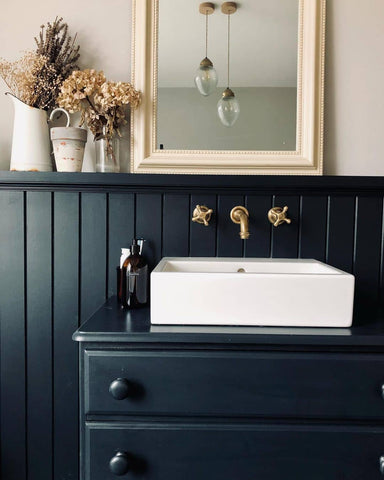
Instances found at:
x=110 y=323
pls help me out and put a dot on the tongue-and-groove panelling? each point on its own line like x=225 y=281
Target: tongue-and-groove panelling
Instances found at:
x=59 y=248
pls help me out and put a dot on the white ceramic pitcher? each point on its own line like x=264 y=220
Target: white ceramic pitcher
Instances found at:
x=30 y=141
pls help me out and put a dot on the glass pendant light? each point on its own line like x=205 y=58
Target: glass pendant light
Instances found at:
x=228 y=107
x=206 y=76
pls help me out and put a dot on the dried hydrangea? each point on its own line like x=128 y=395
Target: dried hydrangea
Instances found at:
x=99 y=101
x=37 y=76
x=78 y=90
x=115 y=94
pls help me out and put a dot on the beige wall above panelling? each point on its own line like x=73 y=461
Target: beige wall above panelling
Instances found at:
x=354 y=88
x=354 y=84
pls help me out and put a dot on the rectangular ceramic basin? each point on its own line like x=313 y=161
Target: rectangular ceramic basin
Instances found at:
x=251 y=291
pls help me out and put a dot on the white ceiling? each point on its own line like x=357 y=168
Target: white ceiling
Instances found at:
x=263 y=43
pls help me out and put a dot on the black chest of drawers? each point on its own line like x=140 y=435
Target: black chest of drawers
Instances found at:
x=210 y=403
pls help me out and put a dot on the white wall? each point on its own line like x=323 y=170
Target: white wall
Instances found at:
x=354 y=94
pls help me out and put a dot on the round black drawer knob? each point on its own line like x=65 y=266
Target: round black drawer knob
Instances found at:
x=119 y=464
x=120 y=388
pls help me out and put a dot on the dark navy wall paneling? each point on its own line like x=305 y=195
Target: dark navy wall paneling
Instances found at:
x=12 y=337
x=202 y=241
x=229 y=243
x=176 y=223
x=39 y=334
x=121 y=228
x=59 y=248
x=66 y=258
x=149 y=225
x=313 y=227
x=381 y=279
x=93 y=263
x=259 y=243
x=341 y=232
x=367 y=252
x=285 y=237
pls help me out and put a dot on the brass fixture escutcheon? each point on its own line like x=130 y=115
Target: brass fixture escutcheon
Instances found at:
x=202 y=214
x=278 y=215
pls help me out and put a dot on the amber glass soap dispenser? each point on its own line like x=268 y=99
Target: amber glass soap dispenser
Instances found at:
x=135 y=268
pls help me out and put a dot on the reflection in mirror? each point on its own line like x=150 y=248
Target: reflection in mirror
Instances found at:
x=263 y=74
x=206 y=75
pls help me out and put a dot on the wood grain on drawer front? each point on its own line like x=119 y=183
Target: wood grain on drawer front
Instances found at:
x=227 y=451
x=313 y=385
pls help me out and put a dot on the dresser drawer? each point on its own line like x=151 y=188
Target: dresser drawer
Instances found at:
x=312 y=385
x=231 y=451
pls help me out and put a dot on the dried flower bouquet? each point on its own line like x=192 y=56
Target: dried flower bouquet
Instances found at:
x=36 y=77
x=100 y=102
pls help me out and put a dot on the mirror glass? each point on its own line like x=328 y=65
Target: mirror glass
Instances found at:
x=263 y=46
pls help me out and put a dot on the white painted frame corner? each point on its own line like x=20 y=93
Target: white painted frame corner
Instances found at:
x=307 y=159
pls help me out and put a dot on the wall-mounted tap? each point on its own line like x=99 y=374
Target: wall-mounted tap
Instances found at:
x=240 y=216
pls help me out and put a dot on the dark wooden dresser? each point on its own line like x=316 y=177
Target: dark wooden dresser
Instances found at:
x=229 y=403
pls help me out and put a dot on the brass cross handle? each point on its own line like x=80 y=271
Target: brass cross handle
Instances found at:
x=278 y=215
x=202 y=214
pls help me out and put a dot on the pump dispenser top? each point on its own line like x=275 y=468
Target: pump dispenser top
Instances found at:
x=135 y=249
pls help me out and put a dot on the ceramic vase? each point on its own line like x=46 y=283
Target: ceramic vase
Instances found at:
x=30 y=141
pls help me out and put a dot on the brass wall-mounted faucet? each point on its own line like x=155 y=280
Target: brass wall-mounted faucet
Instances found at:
x=240 y=216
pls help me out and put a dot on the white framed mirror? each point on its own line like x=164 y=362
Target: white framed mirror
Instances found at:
x=277 y=73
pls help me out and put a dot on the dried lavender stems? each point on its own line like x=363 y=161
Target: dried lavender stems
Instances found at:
x=36 y=78
x=58 y=47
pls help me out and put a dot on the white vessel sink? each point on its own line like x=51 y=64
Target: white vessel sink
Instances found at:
x=250 y=291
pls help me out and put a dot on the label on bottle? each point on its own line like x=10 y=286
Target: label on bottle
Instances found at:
x=142 y=285
x=137 y=286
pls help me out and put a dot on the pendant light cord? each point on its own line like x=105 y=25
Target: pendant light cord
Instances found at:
x=206 y=34
x=228 y=37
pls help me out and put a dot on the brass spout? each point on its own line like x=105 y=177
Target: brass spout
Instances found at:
x=240 y=216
